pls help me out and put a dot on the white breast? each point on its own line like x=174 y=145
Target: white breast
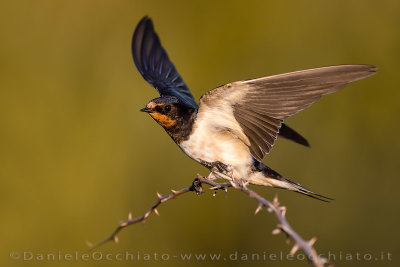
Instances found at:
x=216 y=137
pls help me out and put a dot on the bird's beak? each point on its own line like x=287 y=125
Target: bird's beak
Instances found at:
x=146 y=109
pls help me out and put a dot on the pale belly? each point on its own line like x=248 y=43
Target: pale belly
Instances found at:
x=219 y=146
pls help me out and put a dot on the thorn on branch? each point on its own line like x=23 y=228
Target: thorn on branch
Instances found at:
x=259 y=207
x=276 y=231
x=312 y=241
x=282 y=210
x=275 y=202
x=294 y=249
x=156 y=212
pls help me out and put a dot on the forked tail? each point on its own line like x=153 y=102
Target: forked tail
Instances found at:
x=270 y=177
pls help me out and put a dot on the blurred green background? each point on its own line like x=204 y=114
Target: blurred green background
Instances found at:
x=77 y=155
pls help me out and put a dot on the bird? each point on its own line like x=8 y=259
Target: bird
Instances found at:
x=235 y=125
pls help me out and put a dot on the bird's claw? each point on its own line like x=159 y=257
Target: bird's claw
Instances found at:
x=196 y=186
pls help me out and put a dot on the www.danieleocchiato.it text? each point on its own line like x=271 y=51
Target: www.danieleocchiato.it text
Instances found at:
x=59 y=256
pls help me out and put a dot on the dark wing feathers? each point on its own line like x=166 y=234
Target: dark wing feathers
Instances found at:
x=153 y=63
x=288 y=133
x=261 y=105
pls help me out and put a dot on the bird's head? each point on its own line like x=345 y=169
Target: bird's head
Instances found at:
x=167 y=111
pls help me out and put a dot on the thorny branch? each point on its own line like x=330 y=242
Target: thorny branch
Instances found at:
x=196 y=186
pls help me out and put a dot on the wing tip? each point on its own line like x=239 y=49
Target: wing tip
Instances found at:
x=364 y=71
x=290 y=134
x=145 y=19
x=372 y=69
x=144 y=25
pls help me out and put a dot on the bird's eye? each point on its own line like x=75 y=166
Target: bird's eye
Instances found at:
x=168 y=108
x=158 y=109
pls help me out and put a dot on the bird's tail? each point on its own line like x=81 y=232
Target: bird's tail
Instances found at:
x=270 y=177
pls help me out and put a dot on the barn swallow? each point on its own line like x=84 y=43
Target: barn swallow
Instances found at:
x=235 y=125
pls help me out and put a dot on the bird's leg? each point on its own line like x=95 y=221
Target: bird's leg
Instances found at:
x=223 y=176
x=214 y=174
x=211 y=176
x=221 y=170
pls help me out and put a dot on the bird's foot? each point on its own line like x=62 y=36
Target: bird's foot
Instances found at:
x=196 y=186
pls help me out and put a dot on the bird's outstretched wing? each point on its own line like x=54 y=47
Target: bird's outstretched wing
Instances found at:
x=153 y=63
x=256 y=108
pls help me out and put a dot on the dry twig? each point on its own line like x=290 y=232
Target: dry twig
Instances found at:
x=274 y=207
